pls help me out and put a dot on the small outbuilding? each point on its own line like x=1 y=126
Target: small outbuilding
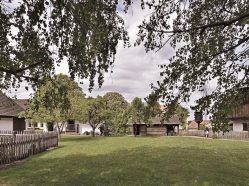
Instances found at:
x=157 y=127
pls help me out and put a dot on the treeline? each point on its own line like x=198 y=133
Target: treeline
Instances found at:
x=60 y=99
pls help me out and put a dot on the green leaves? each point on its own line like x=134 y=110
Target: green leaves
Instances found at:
x=39 y=34
x=211 y=42
x=139 y=112
x=115 y=112
x=55 y=101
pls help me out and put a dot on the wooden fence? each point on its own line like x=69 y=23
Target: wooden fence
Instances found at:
x=8 y=133
x=227 y=135
x=19 y=146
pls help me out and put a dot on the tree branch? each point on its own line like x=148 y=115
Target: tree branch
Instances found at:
x=14 y=72
x=241 y=41
x=203 y=27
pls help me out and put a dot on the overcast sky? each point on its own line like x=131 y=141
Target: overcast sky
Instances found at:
x=134 y=69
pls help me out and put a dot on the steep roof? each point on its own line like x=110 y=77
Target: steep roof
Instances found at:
x=21 y=102
x=157 y=121
x=9 y=107
x=194 y=125
x=171 y=120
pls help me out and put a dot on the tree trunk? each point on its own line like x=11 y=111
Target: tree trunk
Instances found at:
x=93 y=134
x=59 y=131
x=135 y=129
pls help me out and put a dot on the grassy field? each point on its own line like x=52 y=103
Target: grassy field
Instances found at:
x=135 y=161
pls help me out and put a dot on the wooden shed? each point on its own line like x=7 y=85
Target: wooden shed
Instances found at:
x=170 y=127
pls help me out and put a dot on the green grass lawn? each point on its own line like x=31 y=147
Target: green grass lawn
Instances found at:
x=135 y=161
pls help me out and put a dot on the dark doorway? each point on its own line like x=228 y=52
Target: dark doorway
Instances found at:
x=77 y=128
x=50 y=126
x=18 y=124
x=70 y=125
x=136 y=129
x=170 y=129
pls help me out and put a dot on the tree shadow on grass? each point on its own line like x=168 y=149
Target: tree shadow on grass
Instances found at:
x=137 y=166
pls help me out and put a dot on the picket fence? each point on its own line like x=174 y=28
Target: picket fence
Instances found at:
x=15 y=147
x=226 y=135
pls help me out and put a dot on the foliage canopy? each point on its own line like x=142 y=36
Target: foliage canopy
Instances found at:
x=55 y=102
x=212 y=45
x=210 y=38
x=115 y=112
x=36 y=35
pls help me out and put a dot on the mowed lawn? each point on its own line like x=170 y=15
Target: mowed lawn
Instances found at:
x=135 y=161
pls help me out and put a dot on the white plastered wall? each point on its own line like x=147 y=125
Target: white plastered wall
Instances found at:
x=238 y=125
x=86 y=127
x=6 y=124
x=45 y=127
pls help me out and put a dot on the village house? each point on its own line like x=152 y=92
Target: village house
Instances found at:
x=240 y=118
x=72 y=126
x=10 y=120
x=9 y=110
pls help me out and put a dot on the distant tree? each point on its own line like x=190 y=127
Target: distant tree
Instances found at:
x=54 y=102
x=151 y=110
x=183 y=114
x=121 y=122
x=115 y=111
x=143 y=112
x=93 y=113
x=136 y=111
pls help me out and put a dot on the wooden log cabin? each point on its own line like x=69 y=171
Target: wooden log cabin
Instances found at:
x=9 y=110
x=170 y=127
x=240 y=118
x=240 y=114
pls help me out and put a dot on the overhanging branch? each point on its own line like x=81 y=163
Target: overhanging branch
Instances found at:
x=15 y=71
x=202 y=27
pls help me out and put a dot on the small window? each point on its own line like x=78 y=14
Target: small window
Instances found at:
x=245 y=127
x=30 y=125
x=41 y=124
x=35 y=125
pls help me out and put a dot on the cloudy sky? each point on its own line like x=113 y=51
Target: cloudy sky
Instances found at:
x=134 y=69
